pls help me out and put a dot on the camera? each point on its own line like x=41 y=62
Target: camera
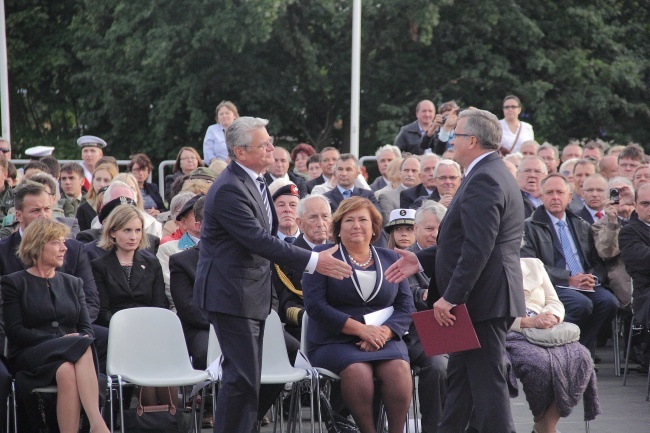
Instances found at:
x=613 y=195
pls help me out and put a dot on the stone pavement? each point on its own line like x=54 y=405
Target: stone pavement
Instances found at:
x=624 y=409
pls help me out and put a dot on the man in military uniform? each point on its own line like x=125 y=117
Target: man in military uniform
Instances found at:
x=6 y=192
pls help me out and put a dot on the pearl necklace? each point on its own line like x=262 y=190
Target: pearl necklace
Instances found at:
x=364 y=264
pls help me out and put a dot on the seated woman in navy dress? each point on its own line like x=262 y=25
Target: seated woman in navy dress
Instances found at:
x=48 y=328
x=338 y=338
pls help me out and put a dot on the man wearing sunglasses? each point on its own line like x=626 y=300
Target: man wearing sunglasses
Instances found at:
x=5 y=148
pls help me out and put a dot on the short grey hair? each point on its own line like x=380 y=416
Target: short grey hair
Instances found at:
x=47 y=179
x=108 y=194
x=447 y=162
x=302 y=204
x=432 y=207
x=389 y=148
x=238 y=133
x=177 y=203
x=484 y=126
x=620 y=179
x=532 y=158
x=548 y=145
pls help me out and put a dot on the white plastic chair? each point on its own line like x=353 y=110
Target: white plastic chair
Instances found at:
x=146 y=347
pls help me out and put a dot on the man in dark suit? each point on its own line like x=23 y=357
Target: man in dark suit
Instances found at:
x=593 y=191
x=410 y=136
x=328 y=158
x=32 y=201
x=279 y=169
x=530 y=173
x=581 y=170
x=564 y=243
x=233 y=277
x=347 y=170
x=427 y=185
x=477 y=263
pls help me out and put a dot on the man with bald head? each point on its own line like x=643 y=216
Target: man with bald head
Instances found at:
x=530 y=173
x=410 y=136
x=279 y=169
x=608 y=166
x=529 y=148
x=594 y=189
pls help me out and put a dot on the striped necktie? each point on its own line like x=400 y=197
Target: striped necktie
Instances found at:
x=265 y=199
x=572 y=262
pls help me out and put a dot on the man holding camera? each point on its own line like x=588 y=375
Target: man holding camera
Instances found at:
x=618 y=209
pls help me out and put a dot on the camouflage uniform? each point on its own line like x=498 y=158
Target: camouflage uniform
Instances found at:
x=6 y=200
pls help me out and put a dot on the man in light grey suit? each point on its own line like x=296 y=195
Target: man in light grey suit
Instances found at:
x=410 y=176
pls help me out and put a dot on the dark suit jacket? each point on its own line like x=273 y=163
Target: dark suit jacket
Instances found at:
x=435 y=196
x=238 y=244
x=409 y=195
x=419 y=284
x=312 y=183
x=576 y=203
x=182 y=271
x=335 y=197
x=146 y=288
x=153 y=192
x=477 y=260
x=586 y=215
x=288 y=299
x=541 y=241
x=299 y=181
x=408 y=139
x=634 y=240
x=529 y=207
x=72 y=223
x=75 y=262
x=330 y=302
x=85 y=216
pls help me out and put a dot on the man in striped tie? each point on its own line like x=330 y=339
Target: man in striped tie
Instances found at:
x=564 y=243
x=233 y=276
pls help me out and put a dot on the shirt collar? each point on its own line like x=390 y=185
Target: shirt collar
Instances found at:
x=341 y=189
x=282 y=235
x=250 y=172
x=554 y=220
x=476 y=161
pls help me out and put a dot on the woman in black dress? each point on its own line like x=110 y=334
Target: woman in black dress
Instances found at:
x=127 y=278
x=48 y=329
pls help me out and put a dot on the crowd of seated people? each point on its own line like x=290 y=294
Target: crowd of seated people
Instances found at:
x=586 y=234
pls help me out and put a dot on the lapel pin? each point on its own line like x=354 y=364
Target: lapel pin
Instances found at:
x=142 y=266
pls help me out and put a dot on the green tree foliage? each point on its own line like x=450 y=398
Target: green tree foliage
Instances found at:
x=147 y=75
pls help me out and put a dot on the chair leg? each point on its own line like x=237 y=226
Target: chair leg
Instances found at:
x=416 y=410
x=109 y=383
x=119 y=386
x=627 y=351
x=617 y=349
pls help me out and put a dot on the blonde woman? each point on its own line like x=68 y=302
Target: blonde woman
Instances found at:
x=87 y=211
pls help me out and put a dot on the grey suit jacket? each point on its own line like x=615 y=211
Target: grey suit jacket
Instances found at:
x=388 y=201
x=238 y=244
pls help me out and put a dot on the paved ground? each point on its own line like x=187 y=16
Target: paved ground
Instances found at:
x=624 y=409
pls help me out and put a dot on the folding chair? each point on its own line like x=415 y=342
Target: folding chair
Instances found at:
x=146 y=347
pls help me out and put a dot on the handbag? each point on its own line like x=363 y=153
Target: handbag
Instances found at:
x=558 y=335
x=335 y=423
x=505 y=151
x=155 y=419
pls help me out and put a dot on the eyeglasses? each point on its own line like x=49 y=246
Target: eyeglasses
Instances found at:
x=5 y=150
x=510 y=107
x=263 y=145
x=532 y=170
x=189 y=158
x=138 y=169
x=446 y=178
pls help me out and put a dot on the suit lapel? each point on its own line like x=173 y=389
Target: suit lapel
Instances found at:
x=137 y=271
x=255 y=194
x=115 y=268
x=15 y=244
x=355 y=281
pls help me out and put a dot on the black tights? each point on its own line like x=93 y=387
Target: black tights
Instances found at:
x=357 y=387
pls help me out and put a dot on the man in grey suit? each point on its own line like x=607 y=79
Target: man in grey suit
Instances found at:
x=410 y=176
x=385 y=155
x=477 y=264
x=233 y=276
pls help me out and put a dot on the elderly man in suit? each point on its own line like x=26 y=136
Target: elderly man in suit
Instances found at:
x=594 y=189
x=447 y=175
x=385 y=155
x=233 y=277
x=427 y=185
x=530 y=173
x=477 y=263
x=410 y=136
x=279 y=169
x=347 y=171
x=564 y=243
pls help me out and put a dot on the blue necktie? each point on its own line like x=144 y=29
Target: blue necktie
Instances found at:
x=290 y=239
x=574 y=265
x=265 y=199
x=347 y=193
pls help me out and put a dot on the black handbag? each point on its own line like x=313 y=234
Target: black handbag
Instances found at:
x=155 y=419
x=335 y=423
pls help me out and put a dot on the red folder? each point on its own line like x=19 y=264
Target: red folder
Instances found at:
x=438 y=340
